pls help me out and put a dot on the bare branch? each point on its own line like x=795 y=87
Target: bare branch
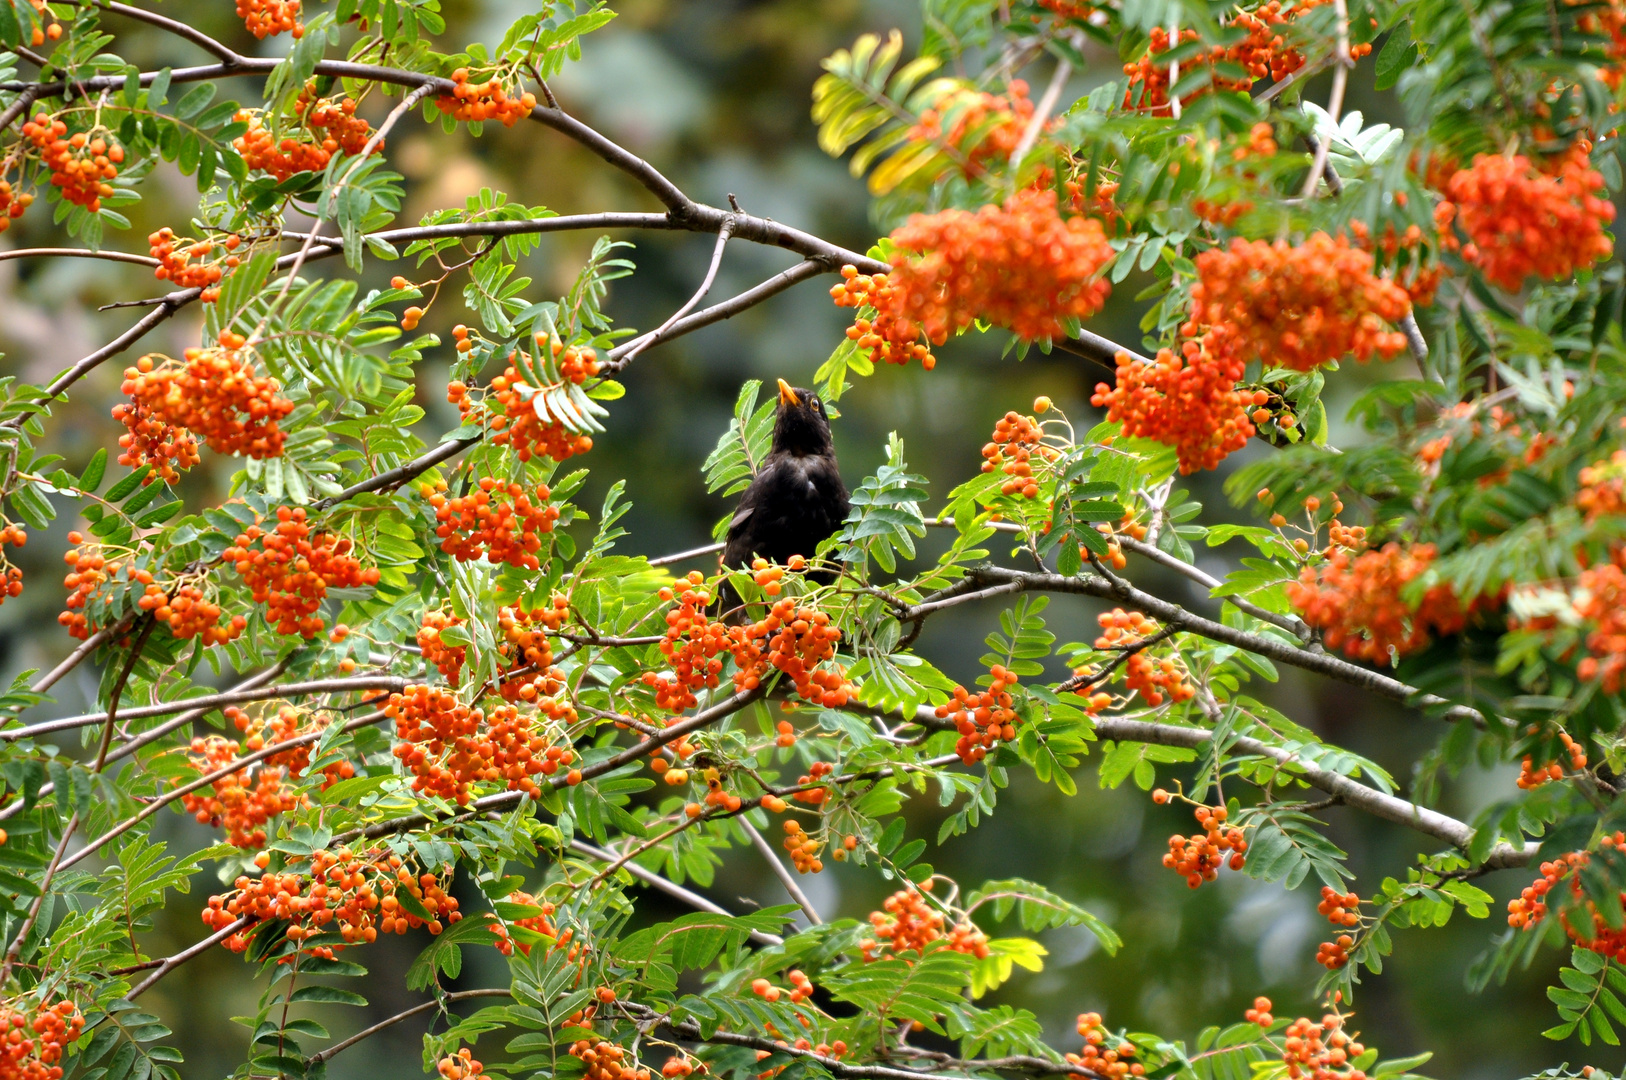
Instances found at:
x=682 y=556
x=671 y=888
x=705 y=287
x=78 y=253
x=406 y=1014
x=169 y=964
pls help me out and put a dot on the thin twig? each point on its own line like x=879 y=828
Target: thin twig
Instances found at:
x=1041 y=113
x=1335 y=99
x=780 y=872
x=699 y=294
x=406 y=1014
x=671 y=888
x=683 y=556
x=170 y=963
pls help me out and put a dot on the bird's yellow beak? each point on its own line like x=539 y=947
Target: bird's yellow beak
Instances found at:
x=787 y=395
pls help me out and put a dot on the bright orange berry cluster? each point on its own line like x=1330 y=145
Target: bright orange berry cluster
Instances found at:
x=909 y=923
x=292 y=569
x=449 y=747
x=1321 y=1051
x=1022 y=266
x=682 y=1066
x=693 y=645
x=448 y=659
x=1198 y=858
x=1334 y=954
x=175 y=257
x=542 y=924
x=606 y=1060
x=983 y=719
x=239 y=803
x=801 y=988
x=484 y=101
x=1601 y=603
x=459 y=1066
x=11 y=582
x=213 y=393
x=994 y=123
x=189 y=613
x=517 y=424
x=1532 y=775
x=1098 y=1058
x=891 y=336
x=268 y=18
x=811 y=790
x=357 y=895
x=34 y=1036
x=1524 y=220
x=1295 y=306
x=1186 y=399
x=1594 y=931
x=322 y=127
x=13 y=203
x=151 y=441
x=1603 y=487
x=804 y=848
x=1341 y=909
x=1260 y=1013
x=1153 y=679
x=502 y=523
x=1356 y=602
x=1016 y=438
x=88 y=571
x=81 y=165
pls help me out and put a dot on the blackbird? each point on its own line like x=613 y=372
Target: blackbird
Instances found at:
x=797 y=498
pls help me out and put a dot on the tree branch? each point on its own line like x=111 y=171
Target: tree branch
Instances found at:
x=779 y=871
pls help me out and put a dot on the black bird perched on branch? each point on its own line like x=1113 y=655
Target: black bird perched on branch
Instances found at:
x=797 y=498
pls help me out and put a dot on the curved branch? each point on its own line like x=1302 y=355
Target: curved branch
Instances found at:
x=406 y=1014
x=699 y=294
x=78 y=253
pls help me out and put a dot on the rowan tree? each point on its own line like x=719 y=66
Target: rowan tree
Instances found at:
x=445 y=677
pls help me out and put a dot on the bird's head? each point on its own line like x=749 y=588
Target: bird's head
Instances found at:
x=800 y=426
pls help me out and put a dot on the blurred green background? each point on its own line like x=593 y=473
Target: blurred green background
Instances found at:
x=716 y=93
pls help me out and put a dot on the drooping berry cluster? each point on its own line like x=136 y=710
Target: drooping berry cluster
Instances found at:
x=1186 y=399
x=541 y=924
x=502 y=523
x=474 y=102
x=1295 y=306
x=449 y=747
x=606 y=1060
x=290 y=568
x=1021 y=265
x=976 y=126
x=983 y=719
x=1356 y=602
x=148 y=440
x=213 y=393
x=1341 y=909
x=1104 y=1054
x=1198 y=858
x=88 y=570
x=82 y=165
x=459 y=1066
x=1122 y=631
x=268 y=18
x=693 y=646
x=804 y=848
x=175 y=256
x=909 y=923
x=357 y=895
x=11 y=582
x=1600 y=603
x=1015 y=440
x=13 y=203
x=517 y=423
x=1523 y=220
x=1321 y=1051
x=1532 y=775
x=321 y=128
x=240 y=803
x=189 y=613
x=33 y=1036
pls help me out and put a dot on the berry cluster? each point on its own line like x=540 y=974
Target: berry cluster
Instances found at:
x=681 y=1066
x=518 y=424
x=11 y=582
x=496 y=521
x=693 y=645
x=189 y=613
x=213 y=393
x=81 y=165
x=1416 y=274
x=1356 y=602
x=1603 y=487
x=1334 y=954
x=1198 y=858
x=448 y=659
x=1341 y=909
x=268 y=18
x=322 y=127
x=983 y=719
x=35 y=1037
x=88 y=571
x=1521 y=219
x=292 y=569
x=1122 y=631
x=449 y=746
x=13 y=203
x=801 y=988
x=474 y=102
x=175 y=257
x=1021 y=265
x=148 y=440
x=994 y=123
x=1187 y=399
x=1320 y=1051
x=891 y=336
x=540 y=924
x=1532 y=775
x=1260 y=1013
x=238 y=803
x=606 y=1060
x=459 y=1066
x=1099 y=1059
x=1582 y=921
x=1295 y=306
x=804 y=849
x=1016 y=438
x=1600 y=602
x=908 y=923
x=358 y=894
